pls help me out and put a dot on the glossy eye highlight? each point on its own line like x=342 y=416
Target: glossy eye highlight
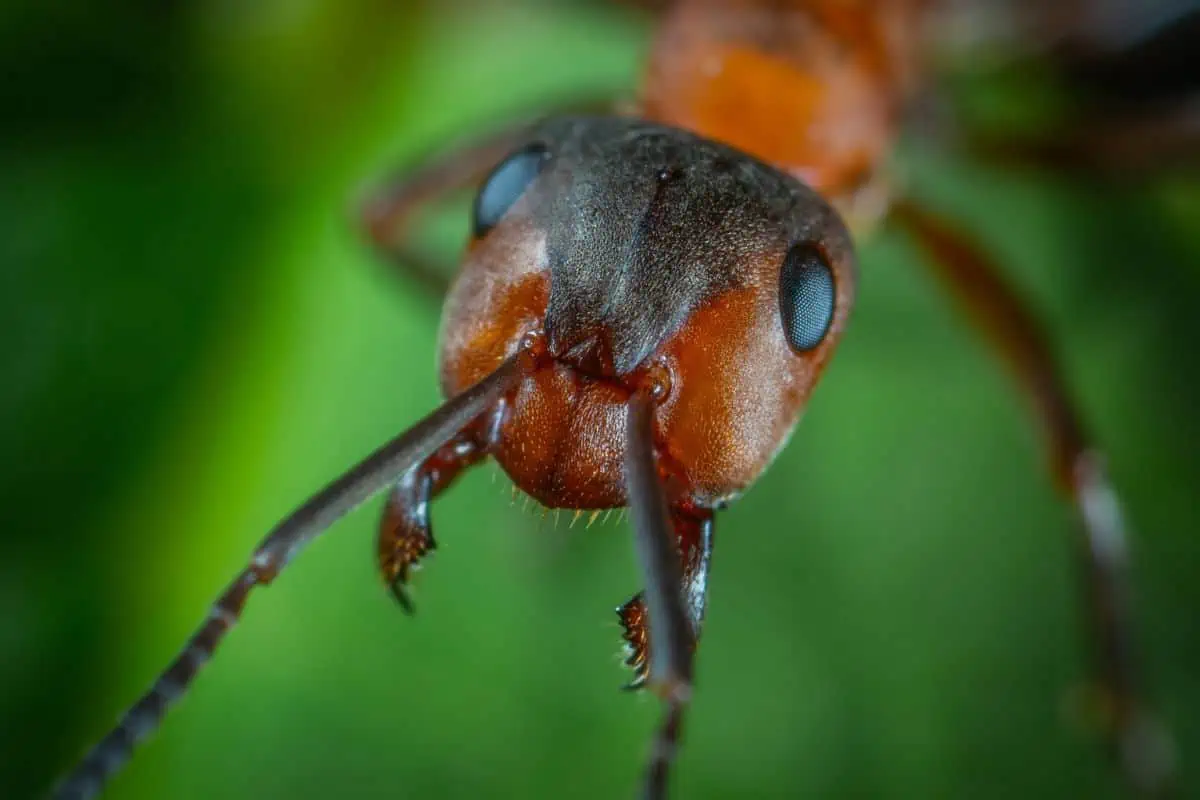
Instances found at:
x=505 y=185
x=806 y=296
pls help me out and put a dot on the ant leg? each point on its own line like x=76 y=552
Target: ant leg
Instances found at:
x=389 y=209
x=273 y=554
x=405 y=533
x=694 y=538
x=1141 y=746
x=1132 y=92
x=1112 y=145
x=671 y=636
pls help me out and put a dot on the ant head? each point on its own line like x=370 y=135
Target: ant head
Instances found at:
x=636 y=252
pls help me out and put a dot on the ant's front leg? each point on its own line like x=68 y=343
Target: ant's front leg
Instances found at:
x=388 y=210
x=694 y=537
x=405 y=534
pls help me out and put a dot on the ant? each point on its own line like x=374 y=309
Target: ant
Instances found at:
x=647 y=302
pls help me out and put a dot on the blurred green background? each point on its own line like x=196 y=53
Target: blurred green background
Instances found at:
x=193 y=338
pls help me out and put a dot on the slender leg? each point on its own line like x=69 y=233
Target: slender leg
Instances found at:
x=1106 y=144
x=405 y=533
x=1140 y=745
x=273 y=554
x=1123 y=57
x=1137 y=93
x=671 y=636
x=694 y=540
x=1130 y=86
x=388 y=210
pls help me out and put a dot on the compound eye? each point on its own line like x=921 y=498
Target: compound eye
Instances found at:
x=505 y=185
x=806 y=296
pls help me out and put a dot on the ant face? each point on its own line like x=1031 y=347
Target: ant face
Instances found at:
x=637 y=252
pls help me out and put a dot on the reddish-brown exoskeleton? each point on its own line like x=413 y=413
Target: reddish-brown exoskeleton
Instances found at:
x=645 y=305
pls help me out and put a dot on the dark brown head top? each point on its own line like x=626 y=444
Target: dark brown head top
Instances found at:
x=627 y=253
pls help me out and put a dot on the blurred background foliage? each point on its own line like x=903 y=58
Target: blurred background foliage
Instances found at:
x=193 y=338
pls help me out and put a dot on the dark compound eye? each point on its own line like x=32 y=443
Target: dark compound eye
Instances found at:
x=806 y=296
x=505 y=185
